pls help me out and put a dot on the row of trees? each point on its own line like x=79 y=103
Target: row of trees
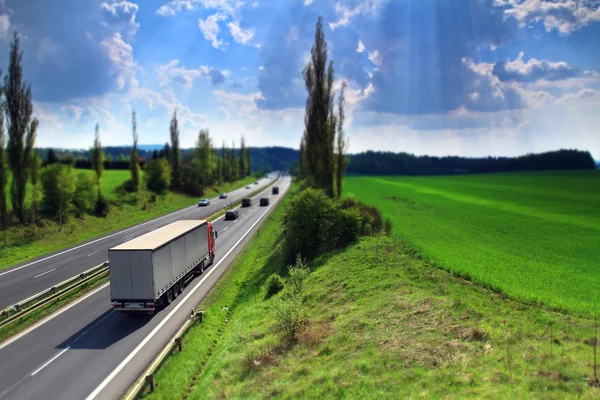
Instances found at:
x=323 y=146
x=387 y=163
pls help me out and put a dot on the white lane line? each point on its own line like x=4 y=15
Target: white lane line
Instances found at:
x=153 y=229
x=96 y=252
x=44 y=273
x=128 y=239
x=93 y=241
x=224 y=229
x=51 y=317
x=49 y=361
x=243 y=214
x=118 y=369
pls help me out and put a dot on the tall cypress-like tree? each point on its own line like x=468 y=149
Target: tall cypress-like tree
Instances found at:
x=319 y=116
x=249 y=161
x=134 y=159
x=302 y=158
x=341 y=143
x=3 y=170
x=97 y=157
x=204 y=155
x=243 y=166
x=21 y=128
x=225 y=161
x=176 y=177
x=51 y=157
x=234 y=163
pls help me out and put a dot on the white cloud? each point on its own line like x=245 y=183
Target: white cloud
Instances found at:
x=123 y=15
x=361 y=47
x=173 y=7
x=308 y=2
x=210 y=28
x=172 y=71
x=565 y=16
x=346 y=13
x=167 y=100
x=240 y=35
x=120 y=54
x=4 y=25
x=255 y=4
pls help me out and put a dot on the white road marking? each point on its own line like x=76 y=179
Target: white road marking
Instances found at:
x=44 y=273
x=224 y=229
x=118 y=369
x=51 y=317
x=127 y=240
x=49 y=361
x=153 y=229
x=96 y=252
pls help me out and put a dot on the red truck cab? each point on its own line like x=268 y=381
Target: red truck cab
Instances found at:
x=212 y=235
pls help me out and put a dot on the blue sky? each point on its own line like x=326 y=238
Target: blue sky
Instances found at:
x=469 y=77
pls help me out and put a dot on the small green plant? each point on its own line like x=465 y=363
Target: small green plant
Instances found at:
x=290 y=313
x=102 y=207
x=274 y=285
x=297 y=275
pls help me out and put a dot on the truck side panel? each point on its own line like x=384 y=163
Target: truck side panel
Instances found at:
x=141 y=272
x=120 y=275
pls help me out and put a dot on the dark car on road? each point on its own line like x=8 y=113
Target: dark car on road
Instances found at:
x=204 y=203
x=247 y=187
x=275 y=190
x=256 y=183
x=246 y=202
x=264 y=201
x=231 y=214
x=223 y=196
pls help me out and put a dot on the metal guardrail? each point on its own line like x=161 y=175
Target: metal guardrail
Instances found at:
x=147 y=377
x=24 y=307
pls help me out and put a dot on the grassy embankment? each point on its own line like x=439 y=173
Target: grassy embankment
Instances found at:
x=19 y=243
x=533 y=236
x=381 y=323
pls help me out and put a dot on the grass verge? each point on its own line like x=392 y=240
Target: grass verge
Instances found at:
x=381 y=323
x=22 y=243
x=51 y=307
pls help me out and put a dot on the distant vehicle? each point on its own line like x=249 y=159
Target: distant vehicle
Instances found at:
x=247 y=187
x=231 y=214
x=264 y=201
x=256 y=182
x=275 y=190
x=150 y=271
x=223 y=196
x=204 y=203
x=246 y=202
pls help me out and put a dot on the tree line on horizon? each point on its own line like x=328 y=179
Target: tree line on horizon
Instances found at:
x=62 y=192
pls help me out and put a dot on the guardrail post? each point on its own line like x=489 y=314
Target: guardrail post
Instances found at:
x=16 y=307
x=179 y=344
x=150 y=381
x=53 y=289
x=200 y=315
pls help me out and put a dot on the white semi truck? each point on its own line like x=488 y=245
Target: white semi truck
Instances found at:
x=151 y=270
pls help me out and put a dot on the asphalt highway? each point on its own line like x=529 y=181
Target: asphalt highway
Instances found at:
x=91 y=351
x=26 y=279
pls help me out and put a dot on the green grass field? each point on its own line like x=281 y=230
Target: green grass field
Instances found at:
x=533 y=236
x=380 y=323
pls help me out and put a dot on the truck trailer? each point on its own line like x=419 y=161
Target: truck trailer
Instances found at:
x=150 y=271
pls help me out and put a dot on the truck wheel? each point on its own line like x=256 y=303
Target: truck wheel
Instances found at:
x=175 y=289
x=169 y=296
x=202 y=267
x=181 y=285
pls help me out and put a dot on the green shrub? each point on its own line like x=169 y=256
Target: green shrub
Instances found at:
x=85 y=194
x=290 y=314
x=158 y=176
x=274 y=285
x=371 y=221
x=314 y=224
x=297 y=275
x=58 y=183
x=125 y=187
